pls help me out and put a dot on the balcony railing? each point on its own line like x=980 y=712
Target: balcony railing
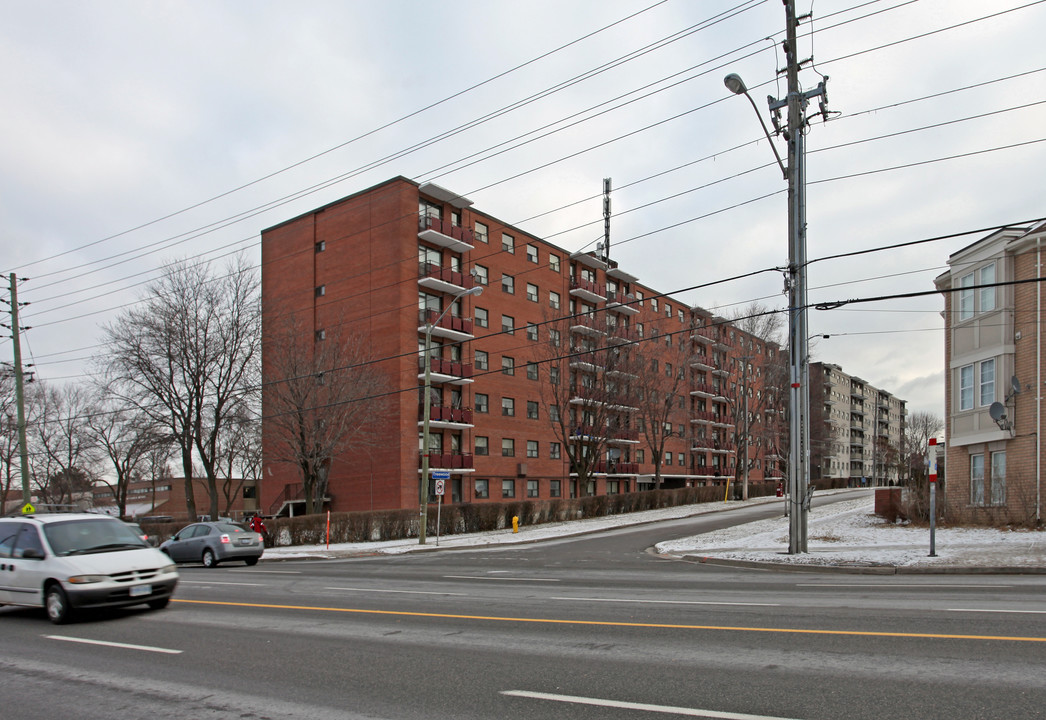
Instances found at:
x=440 y=366
x=442 y=413
x=588 y=288
x=616 y=468
x=446 y=275
x=445 y=233
x=448 y=321
x=445 y=461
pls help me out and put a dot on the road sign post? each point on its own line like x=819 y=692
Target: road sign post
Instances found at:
x=441 y=478
x=933 y=497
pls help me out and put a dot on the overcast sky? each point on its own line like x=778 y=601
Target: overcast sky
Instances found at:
x=131 y=128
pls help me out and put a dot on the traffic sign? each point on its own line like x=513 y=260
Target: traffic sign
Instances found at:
x=440 y=486
x=441 y=474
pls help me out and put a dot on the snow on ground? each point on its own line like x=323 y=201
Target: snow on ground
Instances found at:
x=844 y=533
x=848 y=533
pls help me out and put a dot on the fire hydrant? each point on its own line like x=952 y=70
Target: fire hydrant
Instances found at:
x=515 y=523
x=780 y=490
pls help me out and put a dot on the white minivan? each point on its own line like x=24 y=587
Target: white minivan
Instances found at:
x=65 y=562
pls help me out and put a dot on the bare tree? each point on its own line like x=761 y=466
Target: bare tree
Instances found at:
x=125 y=437
x=67 y=451
x=759 y=320
x=187 y=355
x=321 y=397
x=10 y=471
x=919 y=427
x=658 y=382
x=241 y=450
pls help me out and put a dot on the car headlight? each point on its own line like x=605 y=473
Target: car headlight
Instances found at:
x=168 y=569
x=85 y=579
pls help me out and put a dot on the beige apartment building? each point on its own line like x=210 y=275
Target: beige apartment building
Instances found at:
x=993 y=305
x=856 y=429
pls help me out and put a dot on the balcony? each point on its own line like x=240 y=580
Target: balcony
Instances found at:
x=615 y=468
x=587 y=360
x=588 y=290
x=702 y=416
x=620 y=435
x=621 y=303
x=707 y=391
x=444 y=234
x=449 y=461
x=452 y=327
x=711 y=445
x=443 y=280
x=588 y=325
x=441 y=416
x=702 y=362
x=621 y=334
x=446 y=372
x=705 y=336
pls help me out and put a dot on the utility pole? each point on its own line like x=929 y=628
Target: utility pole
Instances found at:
x=23 y=453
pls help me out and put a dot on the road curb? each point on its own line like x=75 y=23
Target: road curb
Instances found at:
x=868 y=569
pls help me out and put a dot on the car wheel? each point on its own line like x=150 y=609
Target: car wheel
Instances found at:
x=251 y=561
x=159 y=604
x=209 y=560
x=58 y=610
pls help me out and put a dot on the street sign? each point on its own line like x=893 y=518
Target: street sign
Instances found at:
x=440 y=486
x=441 y=474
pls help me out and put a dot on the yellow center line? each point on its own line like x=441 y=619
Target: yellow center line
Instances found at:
x=613 y=623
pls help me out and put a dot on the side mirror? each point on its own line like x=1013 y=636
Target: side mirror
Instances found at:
x=32 y=554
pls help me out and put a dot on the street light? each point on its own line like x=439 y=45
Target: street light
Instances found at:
x=798 y=342
x=423 y=493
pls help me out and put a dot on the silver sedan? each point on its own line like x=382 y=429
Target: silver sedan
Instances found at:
x=214 y=542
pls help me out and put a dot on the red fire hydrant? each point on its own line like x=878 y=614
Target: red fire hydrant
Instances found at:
x=780 y=490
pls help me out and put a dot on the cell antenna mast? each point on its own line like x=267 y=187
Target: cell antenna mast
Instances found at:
x=606 y=219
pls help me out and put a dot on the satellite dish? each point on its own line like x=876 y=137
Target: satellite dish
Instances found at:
x=997 y=411
x=1015 y=385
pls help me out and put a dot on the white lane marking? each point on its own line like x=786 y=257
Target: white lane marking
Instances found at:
x=408 y=592
x=664 y=709
x=1014 y=612
x=669 y=602
x=501 y=579
x=931 y=586
x=267 y=572
x=147 y=648
x=209 y=582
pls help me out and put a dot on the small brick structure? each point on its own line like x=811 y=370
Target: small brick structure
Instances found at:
x=888 y=503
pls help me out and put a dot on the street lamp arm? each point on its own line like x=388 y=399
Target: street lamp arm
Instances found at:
x=737 y=86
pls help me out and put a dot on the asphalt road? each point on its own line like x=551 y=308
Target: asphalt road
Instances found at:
x=591 y=627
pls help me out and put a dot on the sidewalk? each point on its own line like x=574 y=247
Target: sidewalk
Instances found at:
x=844 y=536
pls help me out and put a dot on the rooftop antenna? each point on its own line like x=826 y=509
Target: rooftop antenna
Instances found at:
x=606 y=219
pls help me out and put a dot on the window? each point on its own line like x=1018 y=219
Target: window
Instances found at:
x=532 y=449
x=613 y=487
x=977 y=479
x=668 y=310
x=987 y=295
x=482 y=445
x=508 y=488
x=508 y=407
x=553 y=375
x=553 y=337
x=640 y=456
x=681 y=320
x=532 y=371
x=508 y=447
x=321 y=290
x=508 y=365
x=508 y=284
x=481 y=274
x=639 y=298
x=481 y=317
x=532 y=409
x=998 y=493
x=653 y=304
x=321 y=246
x=532 y=292
x=668 y=458
x=508 y=243
x=482 y=489
x=966 y=387
x=639 y=329
x=553 y=262
x=553 y=451
x=481 y=233
x=481 y=360
x=966 y=297
x=532 y=253
x=508 y=324
x=682 y=460
x=554 y=488
x=987 y=382
x=482 y=403
x=553 y=300
x=553 y=413
x=321 y=334
x=668 y=369
x=532 y=332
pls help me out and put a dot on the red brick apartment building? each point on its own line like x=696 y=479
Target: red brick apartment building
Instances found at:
x=565 y=376
x=993 y=311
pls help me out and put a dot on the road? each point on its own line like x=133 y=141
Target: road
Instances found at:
x=590 y=627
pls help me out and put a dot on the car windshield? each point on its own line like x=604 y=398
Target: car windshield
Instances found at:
x=82 y=536
x=230 y=528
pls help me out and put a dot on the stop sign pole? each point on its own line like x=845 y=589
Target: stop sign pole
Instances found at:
x=933 y=497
